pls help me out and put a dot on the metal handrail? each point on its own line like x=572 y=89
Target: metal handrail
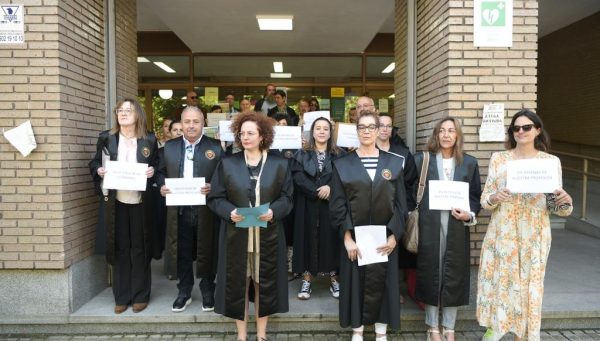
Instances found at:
x=585 y=174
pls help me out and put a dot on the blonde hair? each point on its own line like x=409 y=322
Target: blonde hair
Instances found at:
x=140 y=118
x=433 y=145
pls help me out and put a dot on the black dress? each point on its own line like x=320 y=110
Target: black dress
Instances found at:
x=316 y=243
x=369 y=293
x=230 y=188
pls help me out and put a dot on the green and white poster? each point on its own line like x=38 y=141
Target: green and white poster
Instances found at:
x=492 y=23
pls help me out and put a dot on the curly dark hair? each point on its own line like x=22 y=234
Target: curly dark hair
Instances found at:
x=265 y=128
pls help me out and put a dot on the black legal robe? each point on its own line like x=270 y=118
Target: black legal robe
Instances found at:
x=230 y=189
x=316 y=243
x=455 y=279
x=369 y=293
x=147 y=152
x=207 y=155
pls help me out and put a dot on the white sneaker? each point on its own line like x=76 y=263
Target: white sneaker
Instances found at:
x=334 y=287
x=305 y=290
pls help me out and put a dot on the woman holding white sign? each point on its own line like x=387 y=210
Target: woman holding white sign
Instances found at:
x=367 y=191
x=443 y=261
x=517 y=242
x=128 y=214
x=316 y=244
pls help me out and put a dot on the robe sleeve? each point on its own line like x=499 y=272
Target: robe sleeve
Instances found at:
x=301 y=181
x=96 y=162
x=282 y=206
x=217 y=198
x=411 y=181
x=338 y=205
x=475 y=190
x=161 y=171
x=396 y=224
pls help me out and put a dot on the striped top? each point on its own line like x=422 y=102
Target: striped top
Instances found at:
x=370 y=164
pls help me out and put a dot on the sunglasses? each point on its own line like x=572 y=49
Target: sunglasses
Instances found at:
x=526 y=127
x=193 y=97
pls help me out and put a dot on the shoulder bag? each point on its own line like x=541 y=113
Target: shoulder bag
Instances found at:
x=410 y=239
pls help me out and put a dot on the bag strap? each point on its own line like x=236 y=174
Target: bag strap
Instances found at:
x=424 y=168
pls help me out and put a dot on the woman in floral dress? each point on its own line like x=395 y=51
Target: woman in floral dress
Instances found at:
x=516 y=246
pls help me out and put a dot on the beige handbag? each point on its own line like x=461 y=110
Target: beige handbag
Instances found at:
x=410 y=239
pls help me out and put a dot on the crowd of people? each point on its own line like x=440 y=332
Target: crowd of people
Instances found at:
x=317 y=196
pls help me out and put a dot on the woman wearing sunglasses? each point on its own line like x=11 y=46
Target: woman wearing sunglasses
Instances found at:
x=252 y=261
x=443 y=261
x=517 y=242
x=367 y=188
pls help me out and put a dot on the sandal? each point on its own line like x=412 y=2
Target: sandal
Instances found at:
x=432 y=331
x=445 y=332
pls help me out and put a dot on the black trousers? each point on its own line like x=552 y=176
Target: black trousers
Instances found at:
x=131 y=272
x=187 y=234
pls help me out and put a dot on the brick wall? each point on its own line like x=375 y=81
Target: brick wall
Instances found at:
x=400 y=58
x=56 y=80
x=455 y=78
x=126 y=46
x=569 y=83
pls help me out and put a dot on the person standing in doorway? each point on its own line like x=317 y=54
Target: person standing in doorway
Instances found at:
x=267 y=102
x=283 y=108
x=191 y=230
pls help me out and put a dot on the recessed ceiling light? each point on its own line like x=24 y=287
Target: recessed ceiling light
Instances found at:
x=142 y=60
x=164 y=67
x=281 y=75
x=278 y=66
x=389 y=68
x=275 y=22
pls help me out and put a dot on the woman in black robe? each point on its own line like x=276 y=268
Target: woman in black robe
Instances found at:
x=443 y=270
x=252 y=257
x=128 y=215
x=316 y=244
x=368 y=189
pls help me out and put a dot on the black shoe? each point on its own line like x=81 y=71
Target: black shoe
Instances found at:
x=181 y=303
x=208 y=302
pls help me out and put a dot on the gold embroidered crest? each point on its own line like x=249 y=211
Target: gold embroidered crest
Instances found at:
x=146 y=151
x=209 y=154
x=386 y=174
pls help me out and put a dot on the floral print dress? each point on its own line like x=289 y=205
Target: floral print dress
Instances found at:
x=513 y=256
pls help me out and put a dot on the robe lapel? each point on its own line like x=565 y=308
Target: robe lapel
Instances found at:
x=113 y=146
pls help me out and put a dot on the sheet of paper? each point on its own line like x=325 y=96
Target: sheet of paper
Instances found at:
x=347 y=135
x=185 y=191
x=492 y=123
x=287 y=137
x=210 y=131
x=225 y=133
x=125 y=176
x=368 y=239
x=311 y=116
x=213 y=118
x=22 y=138
x=445 y=195
x=251 y=216
x=532 y=176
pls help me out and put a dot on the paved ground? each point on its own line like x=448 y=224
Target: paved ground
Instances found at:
x=563 y=335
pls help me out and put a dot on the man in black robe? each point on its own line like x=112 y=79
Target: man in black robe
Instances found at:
x=191 y=229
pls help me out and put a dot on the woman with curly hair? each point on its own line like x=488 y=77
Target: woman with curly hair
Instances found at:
x=252 y=261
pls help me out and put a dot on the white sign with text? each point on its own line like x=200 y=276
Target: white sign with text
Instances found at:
x=185 y=191
x=125 y=176
x=287 y=137
x=446 y=195
x=532 y=176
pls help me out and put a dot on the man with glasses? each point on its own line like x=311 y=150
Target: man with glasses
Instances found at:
x=230 y=99
x=191 y=100
x=191 y=230
x=268 y=101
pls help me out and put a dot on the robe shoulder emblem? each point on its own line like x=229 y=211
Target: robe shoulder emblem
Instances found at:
x=210 y=154
x=386 y=174
x=146 y=151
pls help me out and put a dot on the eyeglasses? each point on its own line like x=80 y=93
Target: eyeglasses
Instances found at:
x=370 y=128
x=386 y=127
x=250 y=134
x=124 y=111
x=526 y=127
x=189 y=152
x=193 y=97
